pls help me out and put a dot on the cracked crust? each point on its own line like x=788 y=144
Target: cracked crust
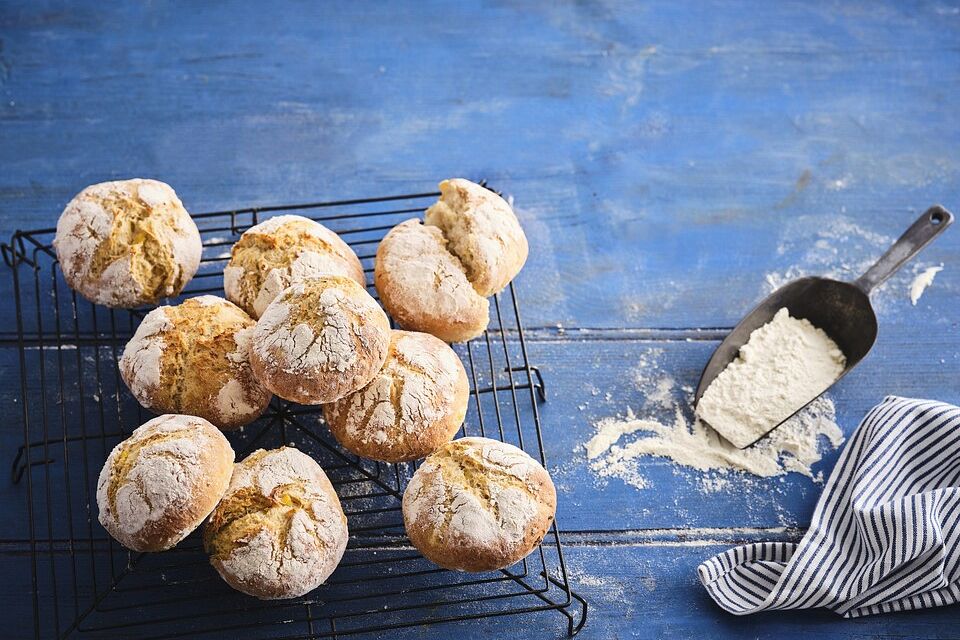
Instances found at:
x=319 y=340
x=416 y=402
x=279 y=531
x=278 y=252
x=193 y=358
x=482 y=230
x=424 y=287
x=127 y=243
x=159 y=484
x=478 y=504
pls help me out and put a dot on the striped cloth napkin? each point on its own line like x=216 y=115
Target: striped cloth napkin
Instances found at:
x=884 y=536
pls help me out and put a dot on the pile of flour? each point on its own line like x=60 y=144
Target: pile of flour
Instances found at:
x=661 y=425
x=783 y=365
x=793 y=447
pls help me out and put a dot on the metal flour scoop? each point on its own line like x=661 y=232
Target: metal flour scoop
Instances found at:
x=841 y=309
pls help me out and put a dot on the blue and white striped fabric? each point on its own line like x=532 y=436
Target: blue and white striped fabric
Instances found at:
x=885 y=535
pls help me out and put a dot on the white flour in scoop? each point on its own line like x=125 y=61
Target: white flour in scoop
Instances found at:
x=783 y=365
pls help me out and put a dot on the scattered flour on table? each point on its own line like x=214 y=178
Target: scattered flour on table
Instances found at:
x=784 y=364
x=656 y=387
x=923 y=280
x=792 y=448
x=583 y=573
x=835 y=247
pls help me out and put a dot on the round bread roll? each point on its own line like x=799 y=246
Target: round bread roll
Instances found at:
x=160 y=483
x=424 y=287
x=127 y=243
x=415 y=403
x=279 y=531
x=274 y=254
x=319 y=340
x=482 y=230
x=478 y=504
x=193 y=358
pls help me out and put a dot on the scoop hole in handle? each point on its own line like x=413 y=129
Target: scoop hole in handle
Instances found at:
x=937 y=217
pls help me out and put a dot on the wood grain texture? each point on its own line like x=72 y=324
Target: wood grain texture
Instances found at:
x=670 y=161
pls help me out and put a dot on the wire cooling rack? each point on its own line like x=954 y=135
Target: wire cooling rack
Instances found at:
x=75 y=409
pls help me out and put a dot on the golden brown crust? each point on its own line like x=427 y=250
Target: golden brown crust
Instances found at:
x=159 y=484
x=482 y=231
x=478 y=504
x=280 y=530
x=416 y=402
x=424 y=287
x=193 y=358
x=127 y=243
x=274 y=254
x=319 y=340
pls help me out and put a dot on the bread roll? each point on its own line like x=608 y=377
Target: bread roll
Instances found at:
x=279 y=531
x=424 y=287
x=274 y=254
x=319 y=340
x=127 y=243
x=193 y=358
x=160 y=483
x=478 y=504
x=416 y=402
x=482 y=231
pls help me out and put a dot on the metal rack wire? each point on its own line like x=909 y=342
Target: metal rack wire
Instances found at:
x=75 y=409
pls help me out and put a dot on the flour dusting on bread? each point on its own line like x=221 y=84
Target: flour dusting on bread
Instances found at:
x=482 y=231
x=127 y=242
x=193 y=358
x=478 y=504
x=141 y=356
x=160 y=483
x=279 y=531
x=320 y=340
x=415 y=403
x=424 y=286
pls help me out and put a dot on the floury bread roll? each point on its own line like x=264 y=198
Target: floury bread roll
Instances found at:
x=279 y=531
x=482 y=230
x=193 y=358
x=159 y=484
x=274 y=254
x=478 y=504
x=127 y=243
x=320 y=340
x=436 y=277
x=415 y=403
x=424 y=287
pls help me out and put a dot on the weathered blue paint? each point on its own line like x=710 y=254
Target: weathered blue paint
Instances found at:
x=665 y=159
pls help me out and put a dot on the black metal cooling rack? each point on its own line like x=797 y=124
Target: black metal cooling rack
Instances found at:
x=75 y=409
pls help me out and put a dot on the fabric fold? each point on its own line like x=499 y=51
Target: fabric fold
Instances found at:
x=885 y=535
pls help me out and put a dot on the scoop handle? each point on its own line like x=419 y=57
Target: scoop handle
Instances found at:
x=928 y=226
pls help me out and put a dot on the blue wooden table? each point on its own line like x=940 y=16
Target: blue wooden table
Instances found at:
x=668 y=160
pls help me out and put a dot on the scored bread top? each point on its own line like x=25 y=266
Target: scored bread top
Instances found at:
x=319 y=340
x=127 y=243
x=193 y=358
x=160 y=483
x=279 y=531
x=478 y=504
x=274 y=254
x=416 y=402
x=424 y=287
x=482 y=231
